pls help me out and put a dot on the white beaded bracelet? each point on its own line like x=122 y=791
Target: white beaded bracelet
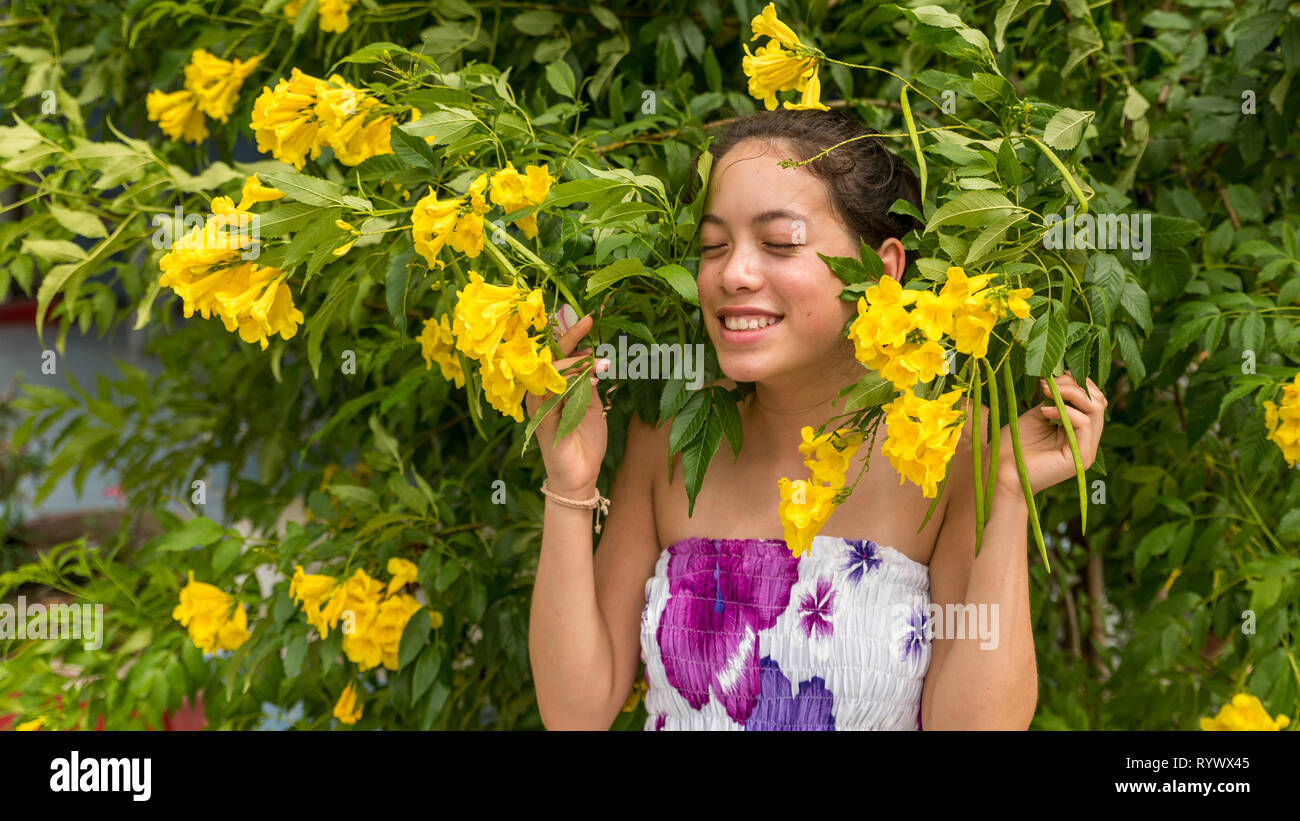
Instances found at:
x=599 y=503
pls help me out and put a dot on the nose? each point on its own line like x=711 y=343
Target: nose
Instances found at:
x=740 y=271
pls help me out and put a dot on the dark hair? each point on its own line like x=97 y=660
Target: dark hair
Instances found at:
x=864 y=177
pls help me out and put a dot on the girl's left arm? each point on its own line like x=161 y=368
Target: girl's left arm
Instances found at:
x=989 y=678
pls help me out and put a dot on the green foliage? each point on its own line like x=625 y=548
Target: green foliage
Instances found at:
x=1012 y=112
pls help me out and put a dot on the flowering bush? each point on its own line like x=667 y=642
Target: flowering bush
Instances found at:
x=428 y=183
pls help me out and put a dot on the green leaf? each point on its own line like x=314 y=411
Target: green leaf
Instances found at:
x=224 y=554
x=989 y=238
x=698 y=455
x=688 y=423
x=850 y=271
x=414 y=637
x=426 y=669
x=197 y=532
x=975 y=208
x=729 y=418
x=294 y=655
x=1046 y=343
x=682 y=281
x=1065 y=129
x=870 y=391
x=397 y=284
x=313 y=190
x=446 y=124
x=575 y=408
x=413 y=151
x=287 y=218
x=54 y=250
x=560 y=77
x=617 y=270
x=1135 y=302
x=537 y=23
x=81 y=223
x=355 y=494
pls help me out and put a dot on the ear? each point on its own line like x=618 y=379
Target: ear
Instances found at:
x=894 y=257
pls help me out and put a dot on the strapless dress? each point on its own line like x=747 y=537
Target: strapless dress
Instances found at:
x=739 y=634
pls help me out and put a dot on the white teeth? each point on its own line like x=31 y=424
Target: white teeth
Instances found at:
x=738 y=323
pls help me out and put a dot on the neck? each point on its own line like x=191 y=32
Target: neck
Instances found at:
x=782 y=406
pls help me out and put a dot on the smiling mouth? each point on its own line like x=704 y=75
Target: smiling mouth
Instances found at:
x=748 y=323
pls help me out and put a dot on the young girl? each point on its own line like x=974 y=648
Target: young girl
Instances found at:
x=736 y=632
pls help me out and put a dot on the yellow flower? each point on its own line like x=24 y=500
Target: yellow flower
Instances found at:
x=334 y=15
x=1244 y=713
x=403 y=573
x=177 y=114
x=34 y=724
x=254 y=192
x=477 y=201
x=932 y=315
x=971 y=332
x=513 y=191
x=285 y=121
x=437 y=344
x=1283 y=421
x=491 y=324
x=804 y=508
x=311 y=591
x=432 y=223
x=467 y=236
x=350 y=121
x=528 y=225
x=766 y=24
x=347 y=710
x=235 y=631
x=390 y=623
x=772 y=69
x=922 y=436
x=811 y=98
x=1016 y=302
x=961 y=291
x=206 y=611
x=828 y=456
x=508 y=188
x=537 y=183
x=634 y=698
x=216 y=82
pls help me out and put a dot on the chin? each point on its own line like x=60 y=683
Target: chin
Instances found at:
x=751 y=367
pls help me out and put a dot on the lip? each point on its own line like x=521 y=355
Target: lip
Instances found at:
x=745 y=337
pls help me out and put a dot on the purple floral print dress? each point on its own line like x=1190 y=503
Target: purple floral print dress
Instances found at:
x=738 y=634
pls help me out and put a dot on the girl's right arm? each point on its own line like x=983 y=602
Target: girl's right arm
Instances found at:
x=584 y=627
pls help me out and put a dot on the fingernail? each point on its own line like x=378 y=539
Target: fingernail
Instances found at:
x=565 y=318
x=594 y=381
x=602 y=365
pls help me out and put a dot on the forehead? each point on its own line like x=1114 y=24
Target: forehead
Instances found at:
x=749 y=187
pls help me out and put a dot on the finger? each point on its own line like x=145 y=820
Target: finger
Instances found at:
x=1093 y=390
x=1073 y=394
x=1084 y=430
x=566 y=366
x=569 y=340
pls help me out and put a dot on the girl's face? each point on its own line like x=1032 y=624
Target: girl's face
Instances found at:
x=770 y=304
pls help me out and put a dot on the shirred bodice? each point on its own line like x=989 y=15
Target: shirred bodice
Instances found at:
x=739 y=634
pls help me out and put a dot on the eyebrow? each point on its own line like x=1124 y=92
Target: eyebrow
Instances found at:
x=766 y=216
